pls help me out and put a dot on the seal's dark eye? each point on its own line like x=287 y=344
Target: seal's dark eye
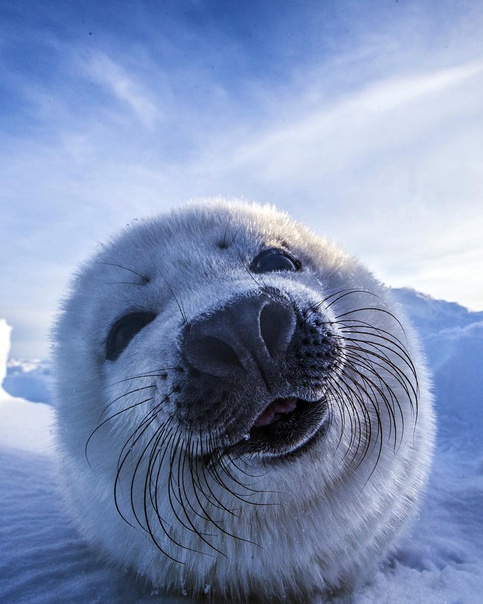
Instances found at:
x=124 y=330
x=274 y=259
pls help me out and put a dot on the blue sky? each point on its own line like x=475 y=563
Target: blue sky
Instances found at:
x=363 y=119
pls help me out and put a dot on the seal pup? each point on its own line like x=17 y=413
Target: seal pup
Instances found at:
x=242 y=409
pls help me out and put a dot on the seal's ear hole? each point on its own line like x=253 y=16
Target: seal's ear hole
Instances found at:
x=124 y=330
x=274 y=259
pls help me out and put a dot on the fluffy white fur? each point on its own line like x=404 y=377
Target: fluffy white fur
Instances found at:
x=328 y=521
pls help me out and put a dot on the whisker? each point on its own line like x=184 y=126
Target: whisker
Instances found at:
x=111 y=417
x=145 y=279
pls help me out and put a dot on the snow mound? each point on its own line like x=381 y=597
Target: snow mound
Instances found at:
x=452 y=338
x=23 y=426
x=5 y=330
x=28 y=379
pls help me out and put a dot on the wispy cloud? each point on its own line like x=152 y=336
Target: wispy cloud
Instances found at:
x=125 y=88
x=388 y=113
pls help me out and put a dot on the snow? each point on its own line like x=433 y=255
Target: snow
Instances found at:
x=42 y=559
x=24 y=426
x=5 y=330
x=28 y=379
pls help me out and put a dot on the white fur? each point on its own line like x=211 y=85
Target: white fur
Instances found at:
x=332 y=521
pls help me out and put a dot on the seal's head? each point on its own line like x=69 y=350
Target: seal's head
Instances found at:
x=241 y=408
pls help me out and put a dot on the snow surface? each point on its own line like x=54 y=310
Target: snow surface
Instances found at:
x=43 y=560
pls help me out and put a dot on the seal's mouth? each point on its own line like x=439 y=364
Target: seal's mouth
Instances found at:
x=284 y=426
x=276 y=411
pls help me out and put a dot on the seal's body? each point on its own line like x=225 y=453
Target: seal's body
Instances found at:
x=241 y=410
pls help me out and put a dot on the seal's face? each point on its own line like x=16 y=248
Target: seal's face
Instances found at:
x=250 y=371
x=252 y=345
x=222 y=359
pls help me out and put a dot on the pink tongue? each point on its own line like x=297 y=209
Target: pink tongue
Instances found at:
x=275 y=411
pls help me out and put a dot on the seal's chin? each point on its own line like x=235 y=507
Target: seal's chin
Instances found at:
x=285 y=426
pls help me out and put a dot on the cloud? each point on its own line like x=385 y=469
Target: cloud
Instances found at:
x=387 y=114
x=125 y=88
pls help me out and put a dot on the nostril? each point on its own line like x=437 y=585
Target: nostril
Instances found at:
x=218 y=352
x=277 y=325
x=209 y=353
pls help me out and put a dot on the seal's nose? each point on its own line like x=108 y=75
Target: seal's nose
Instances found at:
x=251 y=330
